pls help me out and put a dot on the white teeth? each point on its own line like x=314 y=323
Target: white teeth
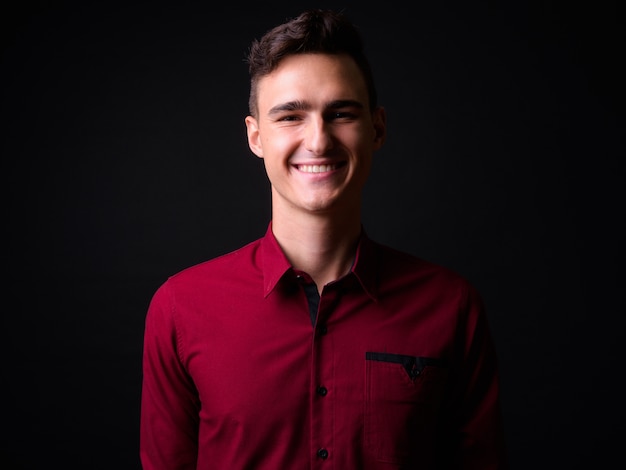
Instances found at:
x=316 y=168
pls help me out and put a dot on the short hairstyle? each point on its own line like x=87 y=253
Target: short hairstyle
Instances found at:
x=313 y=31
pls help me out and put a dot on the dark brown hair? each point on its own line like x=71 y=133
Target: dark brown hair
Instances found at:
x=313 y=31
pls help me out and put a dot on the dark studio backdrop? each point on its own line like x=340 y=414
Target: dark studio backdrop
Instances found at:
x=124 y=160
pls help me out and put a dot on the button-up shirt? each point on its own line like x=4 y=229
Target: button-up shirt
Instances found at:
x=392 y=366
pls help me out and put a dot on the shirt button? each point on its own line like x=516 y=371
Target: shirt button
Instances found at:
x=322 y=391
x=322 y=454
x=323 y=329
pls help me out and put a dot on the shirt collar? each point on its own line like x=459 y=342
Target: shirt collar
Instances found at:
x=276 y=264
x=365 y=266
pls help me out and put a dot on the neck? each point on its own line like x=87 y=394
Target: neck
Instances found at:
x=320 y=245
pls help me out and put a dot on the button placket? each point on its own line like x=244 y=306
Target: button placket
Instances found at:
x=322 y=384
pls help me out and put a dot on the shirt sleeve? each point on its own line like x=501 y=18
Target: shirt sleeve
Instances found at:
x=169 y=401
x=480 y=428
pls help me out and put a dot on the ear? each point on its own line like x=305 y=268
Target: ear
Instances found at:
x=254 y=136
x=379 y=117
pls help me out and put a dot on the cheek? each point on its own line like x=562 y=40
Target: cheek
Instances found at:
x=279 y=145
x=360 y=138
x=271 y=138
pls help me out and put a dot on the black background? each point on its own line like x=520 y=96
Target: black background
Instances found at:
x=124 y=160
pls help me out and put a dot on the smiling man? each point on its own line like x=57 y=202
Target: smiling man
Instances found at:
x=315 y=129
x=315 y=346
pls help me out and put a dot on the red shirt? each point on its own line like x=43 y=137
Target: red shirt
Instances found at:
x=398 y=370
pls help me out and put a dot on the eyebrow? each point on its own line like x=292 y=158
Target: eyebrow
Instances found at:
x=289 y=106
x=303 y=106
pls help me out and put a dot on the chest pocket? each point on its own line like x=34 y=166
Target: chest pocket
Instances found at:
x=402 y=398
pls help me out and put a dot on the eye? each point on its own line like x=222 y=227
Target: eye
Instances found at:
x=288 y=117
x=341 y=115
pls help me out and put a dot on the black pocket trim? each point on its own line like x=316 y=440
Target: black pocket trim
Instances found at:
x=413 y=365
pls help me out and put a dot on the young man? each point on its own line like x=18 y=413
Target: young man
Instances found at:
x=314 y=346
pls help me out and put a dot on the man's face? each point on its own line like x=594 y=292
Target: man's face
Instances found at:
x=315 y=133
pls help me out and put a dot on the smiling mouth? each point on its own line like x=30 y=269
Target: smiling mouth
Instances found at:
x=316 y=168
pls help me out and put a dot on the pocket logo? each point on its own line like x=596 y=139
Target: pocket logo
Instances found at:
x=413 y=365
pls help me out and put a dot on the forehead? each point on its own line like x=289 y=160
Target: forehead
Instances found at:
x=314 y=78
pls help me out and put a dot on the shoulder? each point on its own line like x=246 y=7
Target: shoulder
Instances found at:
x=403 y=271
x=392 y=260
x=240 y=263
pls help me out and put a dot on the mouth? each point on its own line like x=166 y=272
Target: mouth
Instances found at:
x=318 y=168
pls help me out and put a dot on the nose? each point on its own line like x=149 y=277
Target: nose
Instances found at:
x=318 y=139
